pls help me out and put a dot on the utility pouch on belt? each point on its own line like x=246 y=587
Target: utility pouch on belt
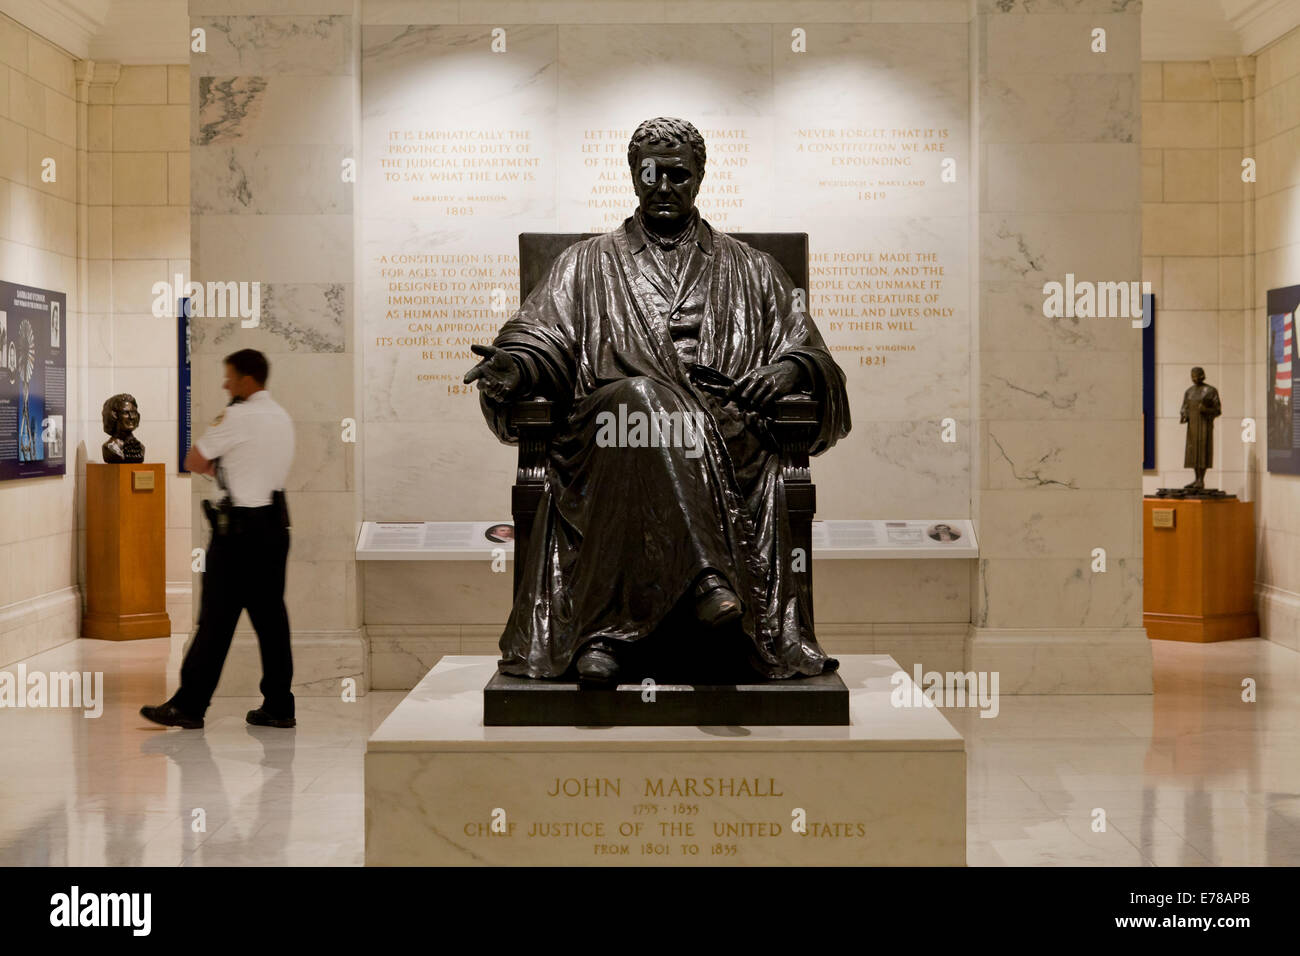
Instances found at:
x=218 y=515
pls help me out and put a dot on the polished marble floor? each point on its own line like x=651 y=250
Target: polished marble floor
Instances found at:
x=1192 y=776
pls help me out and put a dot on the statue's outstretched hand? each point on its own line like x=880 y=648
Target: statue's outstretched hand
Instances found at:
x=498 y=374
x=765 y=384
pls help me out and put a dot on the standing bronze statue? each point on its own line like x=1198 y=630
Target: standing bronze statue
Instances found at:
x=664 y=340
x=121 y=417
x=1200 y=408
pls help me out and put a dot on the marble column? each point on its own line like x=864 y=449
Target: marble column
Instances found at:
x=274 y=102
x=1059 y=440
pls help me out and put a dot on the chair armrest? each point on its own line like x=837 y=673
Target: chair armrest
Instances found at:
x=532 y=418
x=793 y=423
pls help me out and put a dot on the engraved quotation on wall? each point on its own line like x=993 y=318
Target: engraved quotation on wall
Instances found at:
x=462 y=154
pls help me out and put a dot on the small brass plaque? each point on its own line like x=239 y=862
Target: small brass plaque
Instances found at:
x=142 y=481
x=1162 y=517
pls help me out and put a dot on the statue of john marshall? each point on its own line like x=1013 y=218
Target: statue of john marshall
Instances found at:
x=660 y=493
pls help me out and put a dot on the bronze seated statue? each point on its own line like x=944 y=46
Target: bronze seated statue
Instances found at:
x=666 y=386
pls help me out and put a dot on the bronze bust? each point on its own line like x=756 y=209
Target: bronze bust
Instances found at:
x=121 y=418
x=664 y=341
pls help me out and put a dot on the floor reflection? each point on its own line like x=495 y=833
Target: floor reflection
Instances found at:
x=1191 y=776
x=120 y=791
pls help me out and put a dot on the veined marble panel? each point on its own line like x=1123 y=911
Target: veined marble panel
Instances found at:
x=1057 y=523
x=903 y=468
x=404 y=593
x=1059 y=454
x=1012 y=320
x=569 y=95
x=1062 y=43
x=1061 y=177
x=1057 y=385
x=294 y=317
x=878 y=145
x=269 y=179
x=272 y=248
x=1041 y=247
x=1069 y=108
x=322 y=461
x=449 y=124
x=717 y=76
x=423 y=471
x=1058 y=6
x=852 y=593
x=1055 y=593
x=269 y=110
x=263 y=7
x=311 y=45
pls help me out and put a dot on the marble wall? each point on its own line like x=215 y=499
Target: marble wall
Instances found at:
x=1059 y=443
x=274 y=101
x=445 y=121
x=41 y=109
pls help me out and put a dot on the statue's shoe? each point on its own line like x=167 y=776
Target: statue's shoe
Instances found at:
x=597 y=665
x=715 y=603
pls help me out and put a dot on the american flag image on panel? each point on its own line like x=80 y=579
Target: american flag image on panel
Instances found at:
x=1283 y=349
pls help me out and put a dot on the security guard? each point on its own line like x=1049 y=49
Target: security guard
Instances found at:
x=249 y=450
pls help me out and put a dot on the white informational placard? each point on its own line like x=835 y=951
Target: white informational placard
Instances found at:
x=925 y=538
x=435 y=540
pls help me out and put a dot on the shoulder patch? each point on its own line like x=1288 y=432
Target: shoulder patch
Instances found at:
x=219 y=419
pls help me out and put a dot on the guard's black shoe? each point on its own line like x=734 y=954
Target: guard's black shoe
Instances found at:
x=260 y=718
x=170 y=716
x=597 y=665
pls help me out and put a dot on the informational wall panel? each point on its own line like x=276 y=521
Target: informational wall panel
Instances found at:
x=33 y=381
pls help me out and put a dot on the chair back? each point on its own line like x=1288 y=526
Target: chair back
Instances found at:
x=538 y=250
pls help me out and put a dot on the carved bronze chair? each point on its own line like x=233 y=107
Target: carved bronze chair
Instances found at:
x=793 y=419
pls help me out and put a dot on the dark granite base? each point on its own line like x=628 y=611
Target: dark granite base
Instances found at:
x=520 y=702
x=1181 y=493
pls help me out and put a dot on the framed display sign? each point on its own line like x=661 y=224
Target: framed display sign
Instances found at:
x=1283 y=423
x=33 y=381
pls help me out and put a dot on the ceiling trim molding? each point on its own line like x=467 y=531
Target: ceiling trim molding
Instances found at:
x=144 y=32
x=66 y=23
x=1260 y=22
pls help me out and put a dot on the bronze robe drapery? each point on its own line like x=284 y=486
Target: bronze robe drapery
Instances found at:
x=1200 y=407
x=622 y=532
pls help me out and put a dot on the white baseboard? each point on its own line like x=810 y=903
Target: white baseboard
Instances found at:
x=1279 y=615
x=39 y=623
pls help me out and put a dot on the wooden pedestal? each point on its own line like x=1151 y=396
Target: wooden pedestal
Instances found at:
x=126 y=543
x=1199 y=575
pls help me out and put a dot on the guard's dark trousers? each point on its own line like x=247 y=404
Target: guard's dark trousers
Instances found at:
x=245 y=569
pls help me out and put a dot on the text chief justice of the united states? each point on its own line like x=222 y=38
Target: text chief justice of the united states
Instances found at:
x=628 y=528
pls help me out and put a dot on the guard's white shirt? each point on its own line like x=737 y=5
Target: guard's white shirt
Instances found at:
x=254 y=440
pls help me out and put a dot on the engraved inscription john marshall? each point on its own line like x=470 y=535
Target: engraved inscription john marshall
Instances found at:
x=665 y=343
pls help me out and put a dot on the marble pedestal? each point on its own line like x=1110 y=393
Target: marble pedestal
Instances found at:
x=443 y=789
